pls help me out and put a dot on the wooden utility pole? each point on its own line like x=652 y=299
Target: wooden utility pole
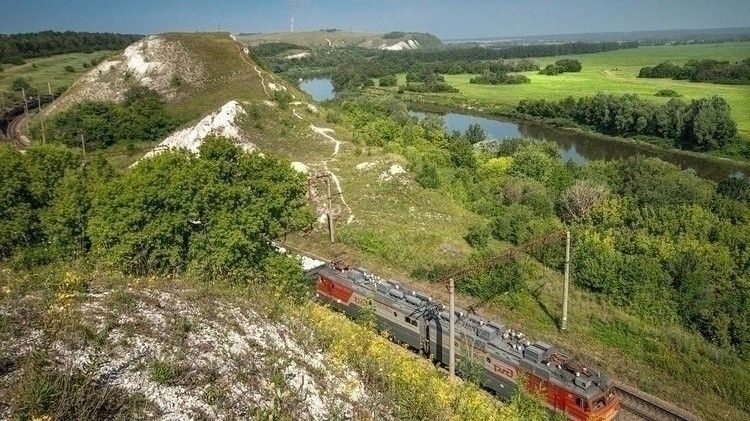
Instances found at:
x=452 y=328
x=327 y=179
x=330 y=209
x=25 y=103
x=566 y=282
x=83 y=145
x=39 y=104
x=49 y=89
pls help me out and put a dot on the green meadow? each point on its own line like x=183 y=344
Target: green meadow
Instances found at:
x=51 y=69
x=617 y=72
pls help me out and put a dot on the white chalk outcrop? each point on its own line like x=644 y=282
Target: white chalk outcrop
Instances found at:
x=297 y=56
x=214 y=348
x=401 y=45
x=394 y=171
x=223 y=122
x=300 y=167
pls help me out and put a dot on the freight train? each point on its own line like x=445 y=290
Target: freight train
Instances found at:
x=506 y=356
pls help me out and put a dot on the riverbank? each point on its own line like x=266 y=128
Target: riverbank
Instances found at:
x=707 y=165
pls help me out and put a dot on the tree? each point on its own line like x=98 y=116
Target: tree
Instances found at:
x=19 y=84
x=475 y=133
x=428 y=176
x=462 y=153
x=389 y=80
x=65 y=220
x=737 y=188
x=577 y=201
x=18 y=226
x=212 y=214
x=709 y=124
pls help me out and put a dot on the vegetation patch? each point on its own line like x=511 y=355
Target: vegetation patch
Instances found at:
x=702 y=125
x=714 y=71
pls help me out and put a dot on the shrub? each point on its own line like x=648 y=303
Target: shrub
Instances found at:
x=19 y=84
x=389 y=80
x=478 y=236
x=489 y=78
x=669 y=93
x=428 y=176
x=69 y=69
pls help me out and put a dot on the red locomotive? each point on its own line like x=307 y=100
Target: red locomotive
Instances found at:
x=506 y=355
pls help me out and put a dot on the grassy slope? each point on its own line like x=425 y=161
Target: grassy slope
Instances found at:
x=49 y=69
x=311 y=38
x=400 y=227
x=616 y=72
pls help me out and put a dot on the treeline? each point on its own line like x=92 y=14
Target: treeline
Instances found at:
x=273 y=48
x=701 y=125
x=714 y=71
x=17 y=47
x=160 y=218
x=663 y=243
x=448 y=60
x=140 y=117
x=514 y=51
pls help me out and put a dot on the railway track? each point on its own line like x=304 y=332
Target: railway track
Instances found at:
x=636 y=404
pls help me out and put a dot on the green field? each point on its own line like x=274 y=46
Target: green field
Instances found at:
x=51 y=69
x=616 y=72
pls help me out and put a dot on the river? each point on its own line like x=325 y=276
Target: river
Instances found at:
x=573 y=146
x=581 y=148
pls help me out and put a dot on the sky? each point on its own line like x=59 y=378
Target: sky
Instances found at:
x=445 y=18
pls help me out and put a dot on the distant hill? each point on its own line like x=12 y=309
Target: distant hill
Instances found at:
x=336 y=38
x=687 y=36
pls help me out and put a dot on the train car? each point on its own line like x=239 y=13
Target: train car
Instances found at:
x=505 y=356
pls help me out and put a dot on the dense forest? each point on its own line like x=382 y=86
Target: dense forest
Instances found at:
x=703 y=124
x=669 y=246
x=17 y=47
x=713 y=71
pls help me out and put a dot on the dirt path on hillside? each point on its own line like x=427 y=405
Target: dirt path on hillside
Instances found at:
x=323 y=131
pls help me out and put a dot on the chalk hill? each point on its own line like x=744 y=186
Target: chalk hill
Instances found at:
x=335 y=38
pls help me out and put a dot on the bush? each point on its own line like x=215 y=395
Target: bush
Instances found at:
x=702 y=71
x=478 y=236
x=19 y=84
x=438 y=87
x=69 y=69
x=389 y=80
x=669 y=93
x=489 y=78
x=561 y=66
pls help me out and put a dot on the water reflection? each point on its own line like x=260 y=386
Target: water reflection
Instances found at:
x=320 y=89
x=580 y=148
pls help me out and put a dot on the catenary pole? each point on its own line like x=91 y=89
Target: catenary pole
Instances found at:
x=452 y=328
x=566 y=282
